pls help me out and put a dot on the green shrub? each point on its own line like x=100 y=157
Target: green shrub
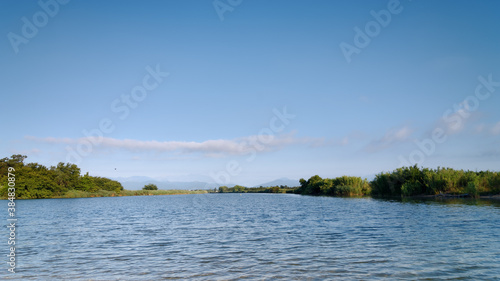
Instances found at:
x=472 y=189
x=411 y=188
x=150 y=186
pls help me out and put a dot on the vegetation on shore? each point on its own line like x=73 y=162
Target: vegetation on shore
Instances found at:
x=150 y=186
x=261 y=189
x=413 y=181
x=34 y=181
x=340 y=186
x=402 y=182
x=105 y=193
x=160 y=192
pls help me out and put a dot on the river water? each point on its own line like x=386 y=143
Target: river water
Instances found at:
x=254 y=237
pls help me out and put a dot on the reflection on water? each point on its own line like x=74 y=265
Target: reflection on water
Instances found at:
x=257 y=236
x=455 y=201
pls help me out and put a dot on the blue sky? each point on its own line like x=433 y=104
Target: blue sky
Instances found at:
x=251 y=91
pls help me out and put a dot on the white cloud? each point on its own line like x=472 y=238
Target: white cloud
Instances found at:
x=463 y=118
x=210 y=148
x=391 y=137
x=34 y=151
x=495 y=130
x=479 y=128
x=454 y=123
x=491 y=129
x=344 y=141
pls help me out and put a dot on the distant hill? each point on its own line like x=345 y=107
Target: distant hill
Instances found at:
x=282 y=181
x=139 y=184
x=136 y=183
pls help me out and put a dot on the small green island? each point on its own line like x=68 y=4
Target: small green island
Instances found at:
x=35 y=181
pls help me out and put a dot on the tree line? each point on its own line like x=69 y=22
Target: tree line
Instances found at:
x=405 y=181
x=261 y=189
x=340 y=186
x=37 y=181
x=410 y=181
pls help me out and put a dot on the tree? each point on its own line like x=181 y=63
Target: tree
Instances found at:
x=107 y=184
x=37 y=181
x=150 y=186
x=274 y=189
x=16 y=160
x=87 y=183
x=67 y=175
x=314 y=185
x=238 y=188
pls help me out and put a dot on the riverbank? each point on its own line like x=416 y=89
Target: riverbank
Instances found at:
x=35 y=181
x=454 y=196
x=106 y=193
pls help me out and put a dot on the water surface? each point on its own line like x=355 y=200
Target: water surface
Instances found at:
x=255 y=236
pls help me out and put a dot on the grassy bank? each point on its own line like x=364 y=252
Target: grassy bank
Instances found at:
x=106 y=193
x=160 y=192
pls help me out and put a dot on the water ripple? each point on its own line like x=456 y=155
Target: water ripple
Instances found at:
x=256 y=237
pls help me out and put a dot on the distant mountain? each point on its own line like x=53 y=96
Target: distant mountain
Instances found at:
x=187 y=178
x=133 y=179
x=137 y=183
x=283 y=181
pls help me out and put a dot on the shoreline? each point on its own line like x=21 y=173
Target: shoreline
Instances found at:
x=126 y=193
x=123 y=193
x=453 y=196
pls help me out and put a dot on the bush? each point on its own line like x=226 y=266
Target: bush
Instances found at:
x=150 y=187
x=340 y=186
x=343 y=190
x=411 y=188
x=472 y=189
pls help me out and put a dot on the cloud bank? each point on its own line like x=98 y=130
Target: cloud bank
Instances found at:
x=390 y=138
x=215 y=148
